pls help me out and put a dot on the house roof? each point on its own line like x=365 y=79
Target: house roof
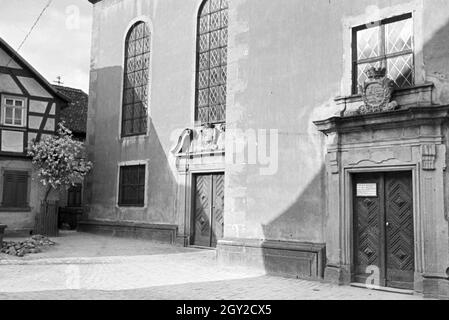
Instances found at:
x=75 y=113
x=21 y=61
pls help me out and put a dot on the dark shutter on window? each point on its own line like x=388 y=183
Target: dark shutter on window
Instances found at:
x=132 y=186
x=15 y=189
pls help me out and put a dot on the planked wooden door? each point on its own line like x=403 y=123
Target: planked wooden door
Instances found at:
x=208 y=219
x=383 y=228
x=399 y=230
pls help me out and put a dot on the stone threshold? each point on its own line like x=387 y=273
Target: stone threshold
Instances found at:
x=385 y=289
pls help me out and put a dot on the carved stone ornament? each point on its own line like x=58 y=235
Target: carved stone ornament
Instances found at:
x=208 y=135
x=377 y=91
x=429 y=154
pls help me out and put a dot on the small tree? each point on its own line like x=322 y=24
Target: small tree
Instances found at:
x=59 y=160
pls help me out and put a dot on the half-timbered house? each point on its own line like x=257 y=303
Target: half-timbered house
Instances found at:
x=29 y=110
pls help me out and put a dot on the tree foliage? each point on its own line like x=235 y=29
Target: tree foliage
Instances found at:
x=59 y=160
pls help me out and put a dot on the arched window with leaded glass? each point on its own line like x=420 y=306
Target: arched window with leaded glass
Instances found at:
x=212 y=51
x=136 y=77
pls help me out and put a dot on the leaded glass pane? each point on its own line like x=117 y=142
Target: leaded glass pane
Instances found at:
x=399 y=36
x=203 y=114
x=204 y=24
x=203 y=98
x=400 y=70
x=212 y=59
x=136 y=79
x=215 y=58
x=213 y=95
x=368 y=43
x=215 y=21
x=215 y=5
x=203 y=61
x=224 y=18
x=203 y=80
x=204 y=42
x=222 y=94
x=215 y=76
x=224 y=37
x=215 y=39
x=390 y=45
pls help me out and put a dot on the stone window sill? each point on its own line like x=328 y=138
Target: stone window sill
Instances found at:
x=409 y=95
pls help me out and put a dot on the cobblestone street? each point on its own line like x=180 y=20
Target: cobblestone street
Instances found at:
x=84 y=266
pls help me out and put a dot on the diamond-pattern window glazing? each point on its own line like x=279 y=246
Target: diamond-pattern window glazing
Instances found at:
x=387 y=43
x=136 y=77
x=212 y=60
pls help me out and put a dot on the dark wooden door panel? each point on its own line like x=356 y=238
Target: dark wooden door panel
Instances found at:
x=383 y=229
x=367 y=227
x=399 y=230
x=202 y=208
x=217 y=208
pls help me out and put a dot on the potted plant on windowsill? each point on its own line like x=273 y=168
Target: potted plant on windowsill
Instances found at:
x=2 y=232
x=59 y=163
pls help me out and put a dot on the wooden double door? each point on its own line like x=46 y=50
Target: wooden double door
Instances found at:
x=208 y=209
x=383 y=229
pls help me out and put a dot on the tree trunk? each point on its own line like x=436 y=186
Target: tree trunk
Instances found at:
x=47 y=192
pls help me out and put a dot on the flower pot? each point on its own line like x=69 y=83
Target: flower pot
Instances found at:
x=2 y=232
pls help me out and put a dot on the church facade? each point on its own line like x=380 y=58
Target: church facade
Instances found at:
x=308 y=139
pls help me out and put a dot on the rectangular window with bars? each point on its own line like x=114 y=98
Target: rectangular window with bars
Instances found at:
x=132 y=186
x=387 y=43
x=15 y=189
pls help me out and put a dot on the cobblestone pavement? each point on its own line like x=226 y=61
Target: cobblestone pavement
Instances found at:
x=85 y=266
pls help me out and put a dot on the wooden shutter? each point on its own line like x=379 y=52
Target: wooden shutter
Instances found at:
x=15 y=189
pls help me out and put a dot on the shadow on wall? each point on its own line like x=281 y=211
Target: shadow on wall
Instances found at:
x=305 y=216
x=306 y=260
x=106 y=152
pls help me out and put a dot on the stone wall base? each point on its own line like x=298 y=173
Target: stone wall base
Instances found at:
x=282 y=258
x=163 y=233
x=435 y=287
x=340 y=275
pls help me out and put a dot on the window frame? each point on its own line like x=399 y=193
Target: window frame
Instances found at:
x=383 y=56
x=140 y=184
x=23 y=108
x=198 y=53
x=146 y=85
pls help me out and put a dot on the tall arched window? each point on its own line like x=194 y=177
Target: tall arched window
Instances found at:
x=135 y=84
x=212 y=51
